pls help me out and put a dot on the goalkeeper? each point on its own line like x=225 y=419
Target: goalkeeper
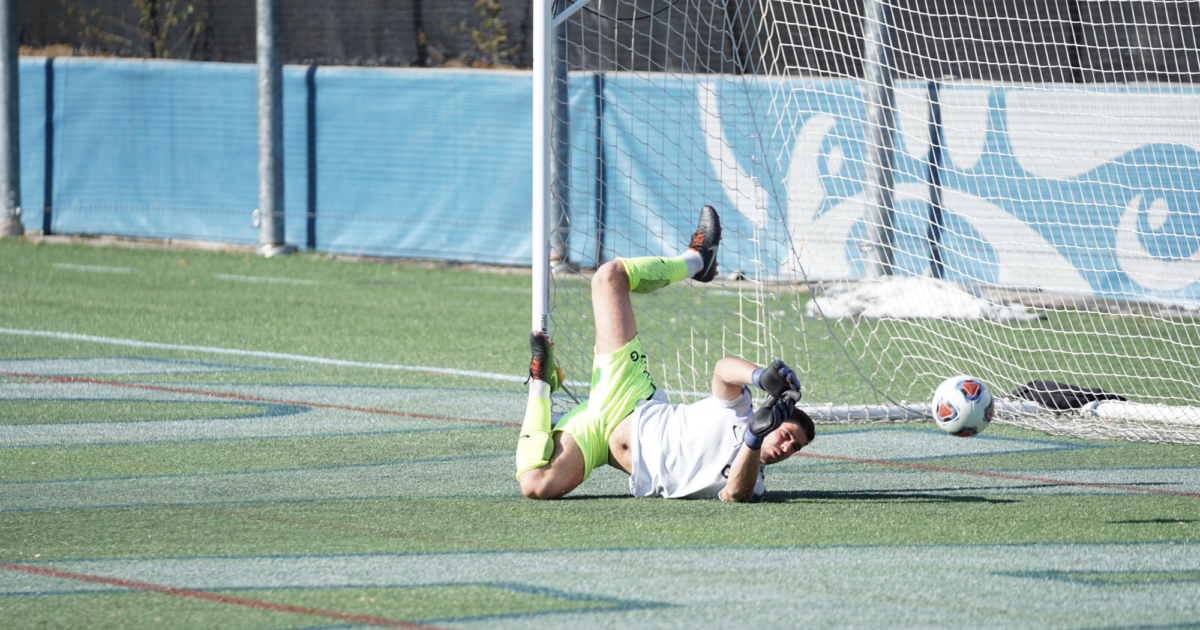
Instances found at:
x=714 y=448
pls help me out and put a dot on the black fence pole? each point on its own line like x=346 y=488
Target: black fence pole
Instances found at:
x=10 y=123
x=601 y=172
x=935 y=183
x=310 y=81
x=48 y=179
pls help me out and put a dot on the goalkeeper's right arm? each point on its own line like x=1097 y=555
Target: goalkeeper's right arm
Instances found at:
x=729 y=375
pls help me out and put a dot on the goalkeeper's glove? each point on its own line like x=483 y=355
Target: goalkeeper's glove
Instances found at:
x=775 y=379
x=769 y=416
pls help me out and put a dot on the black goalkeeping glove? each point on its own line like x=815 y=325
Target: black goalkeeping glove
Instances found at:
x=769 y=416
x=776 y=379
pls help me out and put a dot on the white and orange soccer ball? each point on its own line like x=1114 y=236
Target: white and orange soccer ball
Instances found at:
x=963 y=406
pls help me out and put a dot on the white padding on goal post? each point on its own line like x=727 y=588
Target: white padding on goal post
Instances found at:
x=1139 y=412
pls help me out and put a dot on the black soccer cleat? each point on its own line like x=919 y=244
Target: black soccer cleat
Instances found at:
x=705 y=240
x=542 y=366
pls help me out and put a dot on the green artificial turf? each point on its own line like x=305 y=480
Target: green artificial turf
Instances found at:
x=139 y=610
x=152 y=610
x=30 y=411
x=361 y=312
x=595 y=522
x=119 y=460
x=384 y=427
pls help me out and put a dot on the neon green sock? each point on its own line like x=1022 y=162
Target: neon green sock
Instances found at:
x=535 y=444
x=651 y=273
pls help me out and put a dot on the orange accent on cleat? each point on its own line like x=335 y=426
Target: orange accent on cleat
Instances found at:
x=705 y=240
x=541 y=364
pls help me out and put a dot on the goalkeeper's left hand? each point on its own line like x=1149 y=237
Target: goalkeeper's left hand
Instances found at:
x=769 y=416
x=776 y=378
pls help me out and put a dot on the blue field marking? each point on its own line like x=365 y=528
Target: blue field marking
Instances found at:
x=879 y=479
x=460 y=405
x=1100 y=578
x=581 y=550
x=46 y=593
x=512 y=587
x=410 y=479
x=381 y=497
x=843 y=585
x=518 y=390
x=577 y=612
x=299 y=436
x=124 y=366
x=427 y=478
x=340 y=626
x=318 y=419
x=264 y=471
x=270 y=410
x=1187 y=625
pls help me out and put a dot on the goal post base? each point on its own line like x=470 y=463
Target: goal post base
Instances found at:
x=1103 y=420
x=905 y=412
x=1122 y=411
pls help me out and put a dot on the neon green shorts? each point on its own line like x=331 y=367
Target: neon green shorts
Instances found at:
x=620 y=381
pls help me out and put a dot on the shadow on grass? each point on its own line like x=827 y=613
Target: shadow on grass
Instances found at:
x=1150 y=521
x=593 y=497
x=896 y=496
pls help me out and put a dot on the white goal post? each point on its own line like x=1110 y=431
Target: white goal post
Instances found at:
x=909 y=190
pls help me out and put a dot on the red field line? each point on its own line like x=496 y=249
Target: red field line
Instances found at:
x=200 y=392
x=213 y=597
x=996 y=475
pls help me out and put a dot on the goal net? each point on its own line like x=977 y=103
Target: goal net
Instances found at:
x=909 y=190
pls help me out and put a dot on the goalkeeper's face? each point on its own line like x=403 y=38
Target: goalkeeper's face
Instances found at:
x=782 y=443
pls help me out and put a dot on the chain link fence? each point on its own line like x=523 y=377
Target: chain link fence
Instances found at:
x=445 y=33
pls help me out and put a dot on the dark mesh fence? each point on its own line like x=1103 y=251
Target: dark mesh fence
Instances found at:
x=343 y=32
x=1014 y=40
x=1062 y=41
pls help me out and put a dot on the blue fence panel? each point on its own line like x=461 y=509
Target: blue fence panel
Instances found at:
x=1113 y=210
x=660 y=169
x=435 y=164
x=430 y=164
x=155 y=149
x=32 y=92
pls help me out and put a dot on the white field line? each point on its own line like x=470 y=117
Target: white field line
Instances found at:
x=524 y=290
x=133 y=343
x=97 y=268
x=225 y=276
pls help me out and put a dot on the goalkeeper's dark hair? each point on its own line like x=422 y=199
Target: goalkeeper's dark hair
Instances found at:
x=806 y=423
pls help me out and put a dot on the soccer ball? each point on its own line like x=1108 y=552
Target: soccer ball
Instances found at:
x=963 y=406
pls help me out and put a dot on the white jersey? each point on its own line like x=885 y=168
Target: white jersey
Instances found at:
x=685 y=451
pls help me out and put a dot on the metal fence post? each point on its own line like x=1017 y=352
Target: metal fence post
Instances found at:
x=270 y=131
x=934 y=234
x=10 y=124
x=560 y=221
x=879 y=152
x=310 y=81
x=601 y=168
x=48 y=143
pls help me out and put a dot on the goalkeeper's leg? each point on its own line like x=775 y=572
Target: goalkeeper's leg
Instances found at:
x=549 y=465
x=613 y=282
